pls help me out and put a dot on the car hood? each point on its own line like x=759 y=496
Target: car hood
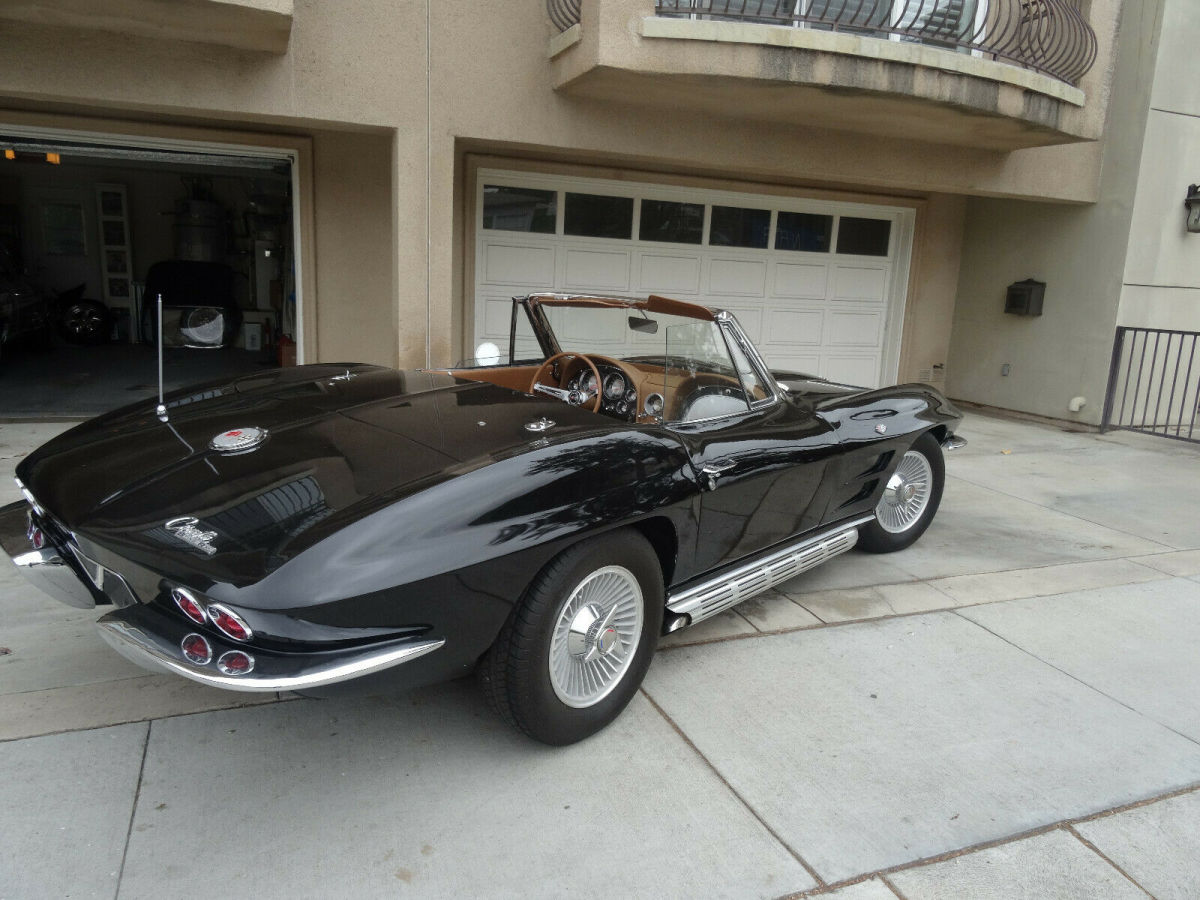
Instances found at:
x=342 y=442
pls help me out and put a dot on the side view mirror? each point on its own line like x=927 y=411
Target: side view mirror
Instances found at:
x=487 y=354
x=646 y=326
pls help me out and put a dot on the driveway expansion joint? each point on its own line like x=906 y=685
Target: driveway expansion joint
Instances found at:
x=137 y=793
x=1070 y=829
x=732 y=790
x=1076 y=678
x=1063 y=825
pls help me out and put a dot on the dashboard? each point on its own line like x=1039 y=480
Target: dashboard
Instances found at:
x=618 y=396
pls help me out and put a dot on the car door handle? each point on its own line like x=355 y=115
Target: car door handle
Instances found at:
x=713 y=470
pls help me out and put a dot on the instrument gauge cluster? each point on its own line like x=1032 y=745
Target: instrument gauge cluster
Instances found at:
x=614 y=386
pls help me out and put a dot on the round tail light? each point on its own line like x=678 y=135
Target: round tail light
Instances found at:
x=188 y=605
x=196 y=649
x=229 y=623
x=235 y=662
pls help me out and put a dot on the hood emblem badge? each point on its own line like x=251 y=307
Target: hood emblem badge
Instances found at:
x=188 y=530
x=238 y=440
x=880 y=429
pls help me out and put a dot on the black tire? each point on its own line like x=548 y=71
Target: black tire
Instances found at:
x=84 y=322
x=515 y=674
x=875 y=537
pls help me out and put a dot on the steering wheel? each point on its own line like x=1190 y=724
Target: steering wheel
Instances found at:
x=573 y=397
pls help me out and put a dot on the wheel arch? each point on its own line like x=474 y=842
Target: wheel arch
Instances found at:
x=660 y=532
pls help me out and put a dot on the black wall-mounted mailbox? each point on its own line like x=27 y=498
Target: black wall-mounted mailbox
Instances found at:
x=1024 y=298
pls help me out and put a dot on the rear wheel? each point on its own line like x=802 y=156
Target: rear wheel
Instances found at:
x=576 y=648
x=910 y=499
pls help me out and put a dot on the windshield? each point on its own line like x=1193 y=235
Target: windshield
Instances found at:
x=686 y=360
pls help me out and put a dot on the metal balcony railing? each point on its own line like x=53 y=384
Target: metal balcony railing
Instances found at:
x=1154 y=383
x=563 y=13
x=1048 y=36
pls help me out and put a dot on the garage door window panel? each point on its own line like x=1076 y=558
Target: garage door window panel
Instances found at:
x=672 y=221
x=864 y=237
x=519 y=209
x=593 y=215
x=735 y=226
x=808 y=232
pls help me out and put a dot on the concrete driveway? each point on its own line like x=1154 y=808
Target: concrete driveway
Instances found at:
x=1011 y=708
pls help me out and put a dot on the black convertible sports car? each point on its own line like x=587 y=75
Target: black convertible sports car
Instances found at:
x=634 y=468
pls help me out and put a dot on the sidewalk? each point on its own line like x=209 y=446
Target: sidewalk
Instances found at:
x=1011 y=708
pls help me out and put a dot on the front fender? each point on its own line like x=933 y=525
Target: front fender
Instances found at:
x=876 y=427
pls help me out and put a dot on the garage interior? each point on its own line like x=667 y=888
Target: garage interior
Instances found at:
x=98 y=232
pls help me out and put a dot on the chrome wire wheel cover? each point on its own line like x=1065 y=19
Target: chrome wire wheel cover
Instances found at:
x=906 y=495
x=596 y=636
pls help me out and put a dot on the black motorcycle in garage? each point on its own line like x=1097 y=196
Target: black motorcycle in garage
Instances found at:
x=29 y=313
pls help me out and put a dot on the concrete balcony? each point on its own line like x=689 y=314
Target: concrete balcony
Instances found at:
x=890 y=75
x=263 y=25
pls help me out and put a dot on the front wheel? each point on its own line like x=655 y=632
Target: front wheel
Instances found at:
x=576 y=648
x=910 y=499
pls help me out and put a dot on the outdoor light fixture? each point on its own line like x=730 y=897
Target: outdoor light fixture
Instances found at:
x=1192 y=202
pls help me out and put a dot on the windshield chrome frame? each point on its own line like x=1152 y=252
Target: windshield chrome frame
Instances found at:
x=732 y=329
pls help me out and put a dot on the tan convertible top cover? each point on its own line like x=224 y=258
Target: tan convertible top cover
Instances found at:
x=652 y=304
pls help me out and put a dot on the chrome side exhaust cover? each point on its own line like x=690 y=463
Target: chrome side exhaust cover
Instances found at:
x=730 y=588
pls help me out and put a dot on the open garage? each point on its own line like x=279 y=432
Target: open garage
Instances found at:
x=94 y=229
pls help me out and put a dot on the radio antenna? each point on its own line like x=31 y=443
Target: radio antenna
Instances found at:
x=161 y=411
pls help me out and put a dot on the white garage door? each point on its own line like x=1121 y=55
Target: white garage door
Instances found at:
x=818 y=285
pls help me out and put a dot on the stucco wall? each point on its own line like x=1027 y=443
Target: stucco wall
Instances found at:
x=357 y=318
x=1078 y=251
x=443 y=79
x=930 y=310
x=1162 y=269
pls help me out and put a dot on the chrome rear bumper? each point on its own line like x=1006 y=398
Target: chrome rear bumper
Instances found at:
x=146 y=637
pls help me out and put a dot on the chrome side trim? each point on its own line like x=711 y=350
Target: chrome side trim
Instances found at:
x=142 y=648
x=732 y=587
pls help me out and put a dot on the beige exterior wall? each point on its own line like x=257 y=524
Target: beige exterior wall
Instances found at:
x=1162 y=278
x=359 y=318
x=1078 y=251
x=394 y=96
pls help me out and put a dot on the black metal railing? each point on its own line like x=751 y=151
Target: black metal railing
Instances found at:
x=1048 y=36
x=1154 y=383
